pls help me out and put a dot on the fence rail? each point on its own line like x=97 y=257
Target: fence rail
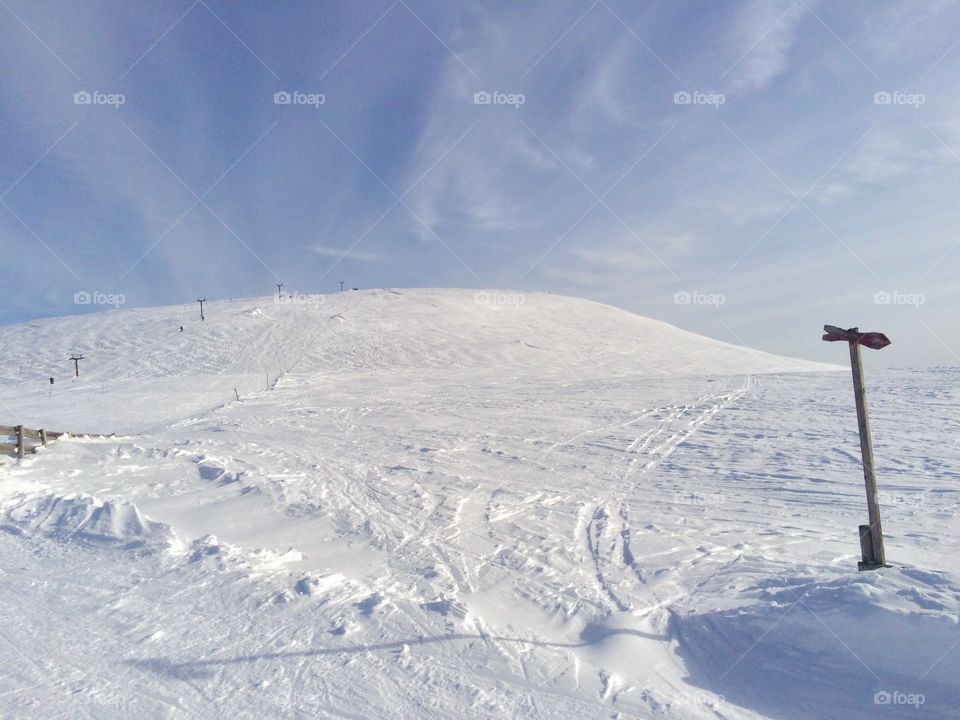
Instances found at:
x=21 y=447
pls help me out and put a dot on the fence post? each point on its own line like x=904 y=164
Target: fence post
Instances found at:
x=43 y=437
x=20 y=452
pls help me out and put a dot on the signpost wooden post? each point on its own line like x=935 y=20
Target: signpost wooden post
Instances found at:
x=871 y=536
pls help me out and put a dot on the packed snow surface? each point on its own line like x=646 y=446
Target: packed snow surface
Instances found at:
x=449 y=504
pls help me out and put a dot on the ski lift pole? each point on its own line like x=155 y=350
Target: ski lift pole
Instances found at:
x=76 y=366
x=871 y=536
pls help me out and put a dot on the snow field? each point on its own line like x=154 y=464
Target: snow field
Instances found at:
x=441 y=508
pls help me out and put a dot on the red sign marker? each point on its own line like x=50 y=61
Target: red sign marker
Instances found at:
x=872 y=340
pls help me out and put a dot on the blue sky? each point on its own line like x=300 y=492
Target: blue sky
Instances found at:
x=746 y=170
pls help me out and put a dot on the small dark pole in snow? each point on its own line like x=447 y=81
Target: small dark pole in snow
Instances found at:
x=76 y=364
x=236 y=393
x=871 y=536
x=279 y=293
x=201 y=301
x=341 y=286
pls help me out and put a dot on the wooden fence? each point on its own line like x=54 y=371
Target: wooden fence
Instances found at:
x=25 y=437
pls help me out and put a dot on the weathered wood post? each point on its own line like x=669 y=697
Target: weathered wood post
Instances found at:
x=871 y=536
x=43 y=437
x=20 y=448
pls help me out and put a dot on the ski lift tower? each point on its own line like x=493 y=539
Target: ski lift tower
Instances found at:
x=76 y=364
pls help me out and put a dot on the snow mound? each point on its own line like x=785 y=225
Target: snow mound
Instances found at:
x=865 y=641
x=87 y=520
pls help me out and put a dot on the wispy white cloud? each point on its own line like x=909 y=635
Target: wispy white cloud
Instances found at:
x=885 y=157
x=764 y=33
x=364 y=256
x=881 y=157
x=511 y=191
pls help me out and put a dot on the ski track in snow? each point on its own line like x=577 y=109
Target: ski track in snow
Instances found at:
x=425 y=508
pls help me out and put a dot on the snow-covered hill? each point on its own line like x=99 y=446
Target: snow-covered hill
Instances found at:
x=434 y=503
x=247 y=344
x=377 y=330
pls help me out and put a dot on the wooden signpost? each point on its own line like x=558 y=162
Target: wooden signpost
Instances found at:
x=871 y=536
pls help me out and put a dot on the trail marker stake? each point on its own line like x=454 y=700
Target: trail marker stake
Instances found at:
x=279 y=291
x=871 y=536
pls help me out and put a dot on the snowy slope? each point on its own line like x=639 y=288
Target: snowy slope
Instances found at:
x=430 y=506
x=247 y=344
